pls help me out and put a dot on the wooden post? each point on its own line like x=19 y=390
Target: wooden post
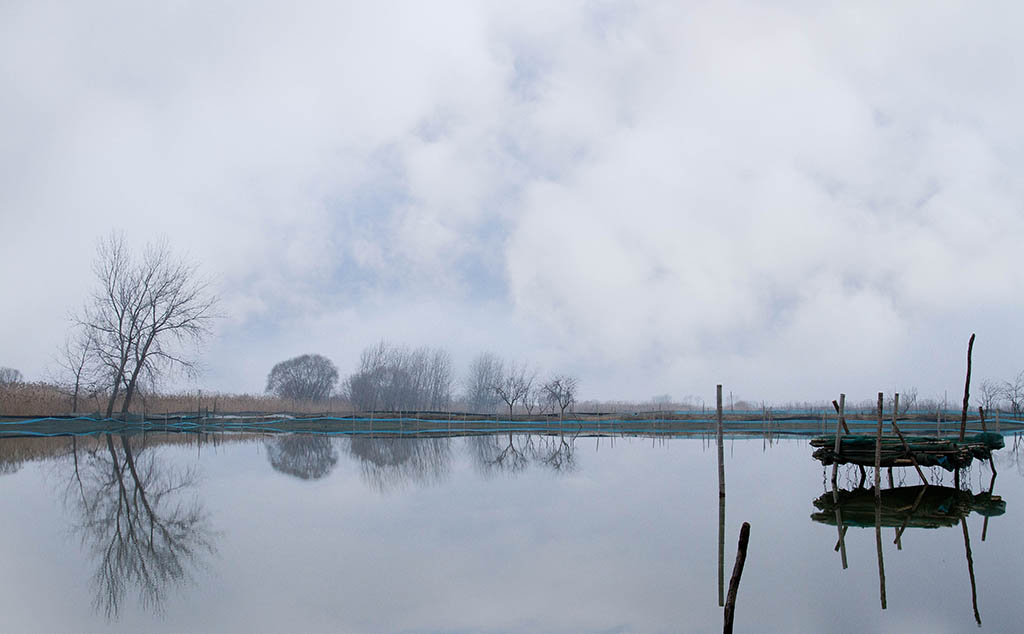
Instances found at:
x=878 y=453
x=981 y=413
x=967 y=389
x=840 y=411
x=721 y=454
x=842 y=417
x=895 y=413
x=721 y=497
x=721 y=551
x=970 y=571
x=878 y=546
x=906 y=448
x=838 y=446
x=734 y=582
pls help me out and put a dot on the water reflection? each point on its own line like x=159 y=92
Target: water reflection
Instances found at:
x=139 y=520
x=907 y=507
x=304 y=456
x=926 y=506
x=512 y=453
x=620 y=566
x=392 y=463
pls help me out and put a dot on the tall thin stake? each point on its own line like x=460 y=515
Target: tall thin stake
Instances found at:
x=878 y=454
x=967 y=388
x=878 y=546
x=970 y=570
x=721 y=499
x=734 y=582
x=835 y=493
x=721 y=454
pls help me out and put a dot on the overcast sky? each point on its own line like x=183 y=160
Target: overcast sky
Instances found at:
x=790 y=199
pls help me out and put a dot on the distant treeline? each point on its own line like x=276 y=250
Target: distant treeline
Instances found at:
x=396 y=378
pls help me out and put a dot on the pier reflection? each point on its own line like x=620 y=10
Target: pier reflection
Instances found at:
x=926 y=506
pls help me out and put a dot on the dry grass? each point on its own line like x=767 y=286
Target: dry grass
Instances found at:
x=44 y=399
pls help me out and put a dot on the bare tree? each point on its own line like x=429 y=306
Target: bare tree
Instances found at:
x=77 y=361
x=308 y=377
x=10 y=376
x=484 y=373
x=908 y=401
x=991 y=393
x=561 y=392
x=1013 y=392
x=534 y=400
x=514 y=385
x=143 y=314
x=396 y=378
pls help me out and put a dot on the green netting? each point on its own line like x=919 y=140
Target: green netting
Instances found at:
x=914 y=506
x=928 y=451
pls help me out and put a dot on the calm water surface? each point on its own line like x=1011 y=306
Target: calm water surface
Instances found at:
x=491 y=534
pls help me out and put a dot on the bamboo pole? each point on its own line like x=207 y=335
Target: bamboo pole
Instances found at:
x=967 y=388
x=734 y=581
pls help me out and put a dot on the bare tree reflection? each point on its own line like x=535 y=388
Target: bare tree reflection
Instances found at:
x=137 y=521
x=1011 y=457
x=557 y=453
x=302 y=455
x=497 y=453
x=391 y=463
x=513 y=453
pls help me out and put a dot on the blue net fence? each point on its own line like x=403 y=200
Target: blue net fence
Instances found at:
x=756 y=423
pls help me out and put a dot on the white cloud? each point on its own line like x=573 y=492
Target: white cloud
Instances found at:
x=655 y=196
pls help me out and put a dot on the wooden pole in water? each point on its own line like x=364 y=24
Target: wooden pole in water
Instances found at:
x=970 y=571
x=721 y=498
x=840 y=408
x=895 y=412
x=967 y=389
x=721 y=551
x=839 y=430
x=721 y=455
x=842 y=417
x=734 y=582
x=878 y=546
x=878 y=454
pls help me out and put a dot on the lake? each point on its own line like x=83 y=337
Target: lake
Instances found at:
x=491 y=533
